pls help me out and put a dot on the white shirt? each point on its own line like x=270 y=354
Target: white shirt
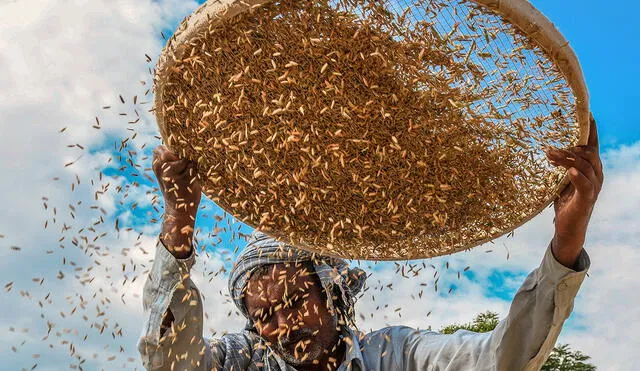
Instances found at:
x=521 y=341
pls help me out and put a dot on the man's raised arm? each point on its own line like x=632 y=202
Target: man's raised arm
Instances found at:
x=524 y=339
x=172 y=333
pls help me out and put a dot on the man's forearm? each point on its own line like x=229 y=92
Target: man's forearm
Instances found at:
x=177 y=234
x=172 y=331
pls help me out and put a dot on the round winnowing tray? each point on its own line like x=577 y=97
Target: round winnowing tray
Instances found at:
x=373 y=129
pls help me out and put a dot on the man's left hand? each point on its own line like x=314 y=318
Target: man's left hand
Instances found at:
x=576 y=202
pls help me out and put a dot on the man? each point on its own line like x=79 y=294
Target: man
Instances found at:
x=299 y=306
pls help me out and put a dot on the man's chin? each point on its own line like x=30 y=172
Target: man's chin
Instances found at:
x=288 y=355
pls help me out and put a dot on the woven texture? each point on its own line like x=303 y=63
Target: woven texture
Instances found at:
x=373 y=129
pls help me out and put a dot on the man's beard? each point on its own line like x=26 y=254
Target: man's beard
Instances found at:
x=305 y=345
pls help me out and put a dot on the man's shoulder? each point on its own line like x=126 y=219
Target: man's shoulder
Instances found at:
x=388 y=345
x=236 y=351
x=236 y=340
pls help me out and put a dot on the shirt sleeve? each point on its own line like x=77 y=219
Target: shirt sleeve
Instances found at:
x=169 y=286
x=521 y=341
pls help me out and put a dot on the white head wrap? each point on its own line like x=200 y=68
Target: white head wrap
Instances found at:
x=264 y=250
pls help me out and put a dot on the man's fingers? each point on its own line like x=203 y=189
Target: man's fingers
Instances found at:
x=156 y=157
x=585 y=189
x=167 y=163
x=163 y=154
x=191 y=171
x=570 y=160
x=593 y=133
x=175 y=168
x=160 y=154
x=590 y=154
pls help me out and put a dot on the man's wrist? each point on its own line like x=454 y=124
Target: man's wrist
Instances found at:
x=182 y=215
x=566 y=251
x=177 y=235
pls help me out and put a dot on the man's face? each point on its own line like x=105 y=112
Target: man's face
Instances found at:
x=289 y=310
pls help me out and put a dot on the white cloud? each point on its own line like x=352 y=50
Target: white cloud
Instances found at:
x=62 y=61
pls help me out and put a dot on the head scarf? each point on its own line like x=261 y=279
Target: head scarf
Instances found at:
x=264 y=250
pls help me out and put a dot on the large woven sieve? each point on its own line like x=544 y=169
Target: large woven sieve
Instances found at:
x=373 y=129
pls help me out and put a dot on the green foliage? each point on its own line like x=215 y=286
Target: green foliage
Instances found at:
x=484 y=322
x=562 y=358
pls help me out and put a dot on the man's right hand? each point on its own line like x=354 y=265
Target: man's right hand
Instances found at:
x=181 y=189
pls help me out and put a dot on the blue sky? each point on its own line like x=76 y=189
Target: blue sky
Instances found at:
x=605 y=36
x=95 y=52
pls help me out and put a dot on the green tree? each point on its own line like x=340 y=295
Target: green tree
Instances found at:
x=562 y=358
x=484 y=322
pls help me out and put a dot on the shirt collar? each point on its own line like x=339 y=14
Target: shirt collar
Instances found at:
x=353 y=352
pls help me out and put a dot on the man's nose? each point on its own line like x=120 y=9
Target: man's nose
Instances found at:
x=287 y=322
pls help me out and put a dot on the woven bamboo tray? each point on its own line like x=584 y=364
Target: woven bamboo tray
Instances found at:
x=278 y=111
